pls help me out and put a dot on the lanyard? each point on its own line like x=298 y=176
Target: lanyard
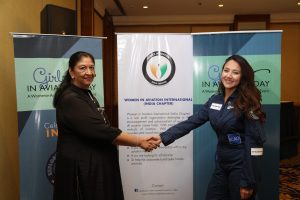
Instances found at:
x=101 y=110
x=90 y=95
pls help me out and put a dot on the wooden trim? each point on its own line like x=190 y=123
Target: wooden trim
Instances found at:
x=255 y=22
x=78 y=21
x=109 y=70
x=87 y=17
x=96 y=16
x=108 y=17
x=119 y=5
x=99 y=15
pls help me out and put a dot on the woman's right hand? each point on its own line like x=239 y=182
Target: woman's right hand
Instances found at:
x=149 y=142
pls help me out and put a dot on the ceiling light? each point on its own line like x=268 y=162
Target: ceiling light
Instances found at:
x=145 y=7
x=220 y=5
x=299 y=3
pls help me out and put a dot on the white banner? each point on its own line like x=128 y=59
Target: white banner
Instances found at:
x=155 y=92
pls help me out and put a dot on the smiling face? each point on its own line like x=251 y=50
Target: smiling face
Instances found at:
x=83 y=73
x=231 y=75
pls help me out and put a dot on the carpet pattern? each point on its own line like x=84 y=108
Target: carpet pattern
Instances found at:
x=290 y=177
x=289 y=182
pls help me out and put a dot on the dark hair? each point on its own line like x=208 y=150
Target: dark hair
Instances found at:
x=248 y=96
x=74 y=59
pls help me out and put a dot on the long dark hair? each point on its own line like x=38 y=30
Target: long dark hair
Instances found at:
x=66 y=82
x=248 y=96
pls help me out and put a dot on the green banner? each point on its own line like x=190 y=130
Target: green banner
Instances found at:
x=38 y=78
x=207 y=71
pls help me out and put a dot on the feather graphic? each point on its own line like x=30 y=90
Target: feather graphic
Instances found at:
x=153 y=69
x=163 y=70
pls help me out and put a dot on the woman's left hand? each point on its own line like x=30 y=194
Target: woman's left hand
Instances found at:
x=246 y=193
x=148 y=143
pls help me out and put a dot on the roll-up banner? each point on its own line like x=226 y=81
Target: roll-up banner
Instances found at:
x=262 y=49
x=164 y=78
x=40 y=64
x=155 y=79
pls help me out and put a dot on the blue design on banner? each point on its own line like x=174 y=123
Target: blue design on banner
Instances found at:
x=22 y=120
x=214 y=73
x=236 y=43
x=36 y=142
x=52 y=46
x=252 y=45
x=219 y=44
x=91 y=45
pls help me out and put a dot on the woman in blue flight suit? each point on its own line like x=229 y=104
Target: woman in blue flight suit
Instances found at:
x=236 y=116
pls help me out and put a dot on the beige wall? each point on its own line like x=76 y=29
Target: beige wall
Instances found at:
x=15 y=16
x=154 y=29
x=172 y=28
x=71 y=4
x=290 y=64
x=210 y=28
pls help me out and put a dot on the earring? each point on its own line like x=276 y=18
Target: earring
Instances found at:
x=73 y=77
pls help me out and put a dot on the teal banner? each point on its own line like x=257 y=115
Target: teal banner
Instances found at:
x=40 y=64
x=263 y=52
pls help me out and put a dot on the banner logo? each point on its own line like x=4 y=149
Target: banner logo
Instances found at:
x=158 y=68
x=50 y=168
x=214 y=73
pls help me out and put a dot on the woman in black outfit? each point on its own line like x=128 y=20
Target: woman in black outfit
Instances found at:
x=87 y=164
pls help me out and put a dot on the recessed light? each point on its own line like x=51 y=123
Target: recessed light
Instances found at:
x=220 y=5
x=145 y=7
x=299 y=3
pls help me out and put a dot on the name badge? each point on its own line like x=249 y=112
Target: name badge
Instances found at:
x=216 y=106
x=234 y=138
x=257 y=151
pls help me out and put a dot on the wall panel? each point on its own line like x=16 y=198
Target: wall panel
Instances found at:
x=290 y=63
x=15 y=16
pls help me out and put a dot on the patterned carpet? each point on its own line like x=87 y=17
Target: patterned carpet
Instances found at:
x=290 y=178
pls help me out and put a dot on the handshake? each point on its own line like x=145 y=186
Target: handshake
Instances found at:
x=149 y=142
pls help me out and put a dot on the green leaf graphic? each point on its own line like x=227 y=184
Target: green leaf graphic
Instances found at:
x=163 y=70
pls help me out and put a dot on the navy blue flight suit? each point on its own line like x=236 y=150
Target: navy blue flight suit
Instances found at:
x=239 y=150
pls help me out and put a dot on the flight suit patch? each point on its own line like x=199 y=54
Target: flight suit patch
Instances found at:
x=216 y=106
x=234 y=138
x=257 y=151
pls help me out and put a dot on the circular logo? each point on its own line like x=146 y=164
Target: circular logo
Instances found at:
x=158 y=68
x=50 y=168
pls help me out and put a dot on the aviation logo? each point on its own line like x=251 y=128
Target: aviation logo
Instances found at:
x=50 y=168
x=158 y=68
